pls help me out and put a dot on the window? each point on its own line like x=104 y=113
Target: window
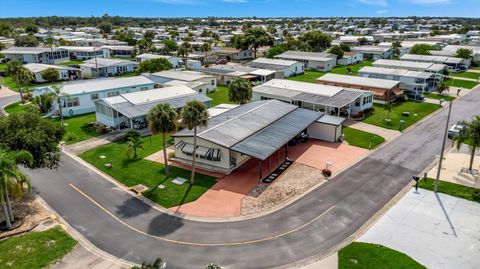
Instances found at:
x=94 y=96
x=212 y=82
x=357 y=102
x=74 y=101
x=110 y=94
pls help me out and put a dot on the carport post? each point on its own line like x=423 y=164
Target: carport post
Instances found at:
x=286 y=151
x=270 y=164
x=260 y=169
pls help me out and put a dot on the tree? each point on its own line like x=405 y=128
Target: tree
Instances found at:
x=464 y=53
x=12 y=179
x=31 y=132
x=149 y=35
x=26 y=41
x=58 y=95
x=362 y=41
x=240 y=91
x=345 y=47
x=253 y=39
x=157 y=264
x=275 y=50
x=145 y=45
x=169 y=46
x=469 y=135
x=194 y=114
x=154 y=65
x=163 y=119
x=213 y=266
x=6 y=29
x=134 y=143
x=206 y=47
x=43 y=102
x=31 y=29
x=316 y=41
x=396 y=45
x=337 y=51
x=183 y=51
x=105 y=27
x=24 y=77
x=442 y=87
x=50 y=75
x=13 y=70
x=421 y=49
x=389 y=108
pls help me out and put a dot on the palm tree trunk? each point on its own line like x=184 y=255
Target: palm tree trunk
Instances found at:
x=164 y=145
x=19 y=90
x=60 y=109
x=194 y=157
x=9 y=206
x=472 y=156
x=8 y=222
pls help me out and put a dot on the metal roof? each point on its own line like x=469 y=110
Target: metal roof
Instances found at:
x=330 y=119
x=394 y=72
x=359 y=81
x=180 y=75
x=340 y=99
x=104 y=62
x=310 y=56
x=104 y=84
x=265 y=142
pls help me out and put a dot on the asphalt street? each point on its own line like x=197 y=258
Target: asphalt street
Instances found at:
x=124 y=226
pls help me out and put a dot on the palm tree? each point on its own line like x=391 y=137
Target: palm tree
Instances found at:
x=442 y=87
x=24 y=77
x=12 y=179
x=206 y=47
x=240 y=91
x=162 y=119
x=13 y=70
x=194 y=114
x=50 y=41
x=134 y=143
x=469 y=135
x=58 y=96
x=184 y=50
x=389 y=108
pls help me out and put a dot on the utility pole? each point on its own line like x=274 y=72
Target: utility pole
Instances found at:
x=443 y=147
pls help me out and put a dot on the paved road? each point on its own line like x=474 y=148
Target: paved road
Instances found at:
x=126 y=227
x=5 y=100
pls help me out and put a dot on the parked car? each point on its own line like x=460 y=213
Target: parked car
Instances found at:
x=222 y=61
x=455 y=130
x=413 y=95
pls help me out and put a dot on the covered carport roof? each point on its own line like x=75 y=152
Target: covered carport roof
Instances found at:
x=265 y=142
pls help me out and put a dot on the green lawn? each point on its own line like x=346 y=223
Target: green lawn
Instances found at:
x=475 y=67
x=439 y=96
x=75 y=62
x=467 y=84
x=457 y=190
x=372 y=256
x=131 y=172
x=35 y=249
x=308 y=76
x=72 y=124
x=8 y=82
x=220 y=96
x=471 y=75
x=342 y=70
x=3 y=67
x=362 y=139
x=420 y=109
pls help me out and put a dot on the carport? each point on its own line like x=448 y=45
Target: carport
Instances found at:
x=263 y=144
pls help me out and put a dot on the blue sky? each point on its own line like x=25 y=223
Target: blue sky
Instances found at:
x=239 y=8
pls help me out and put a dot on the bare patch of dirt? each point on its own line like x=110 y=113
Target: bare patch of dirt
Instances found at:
x=295 y=181
x=31 y=211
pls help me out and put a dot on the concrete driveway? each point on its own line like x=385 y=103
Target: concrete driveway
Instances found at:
x=439 y=231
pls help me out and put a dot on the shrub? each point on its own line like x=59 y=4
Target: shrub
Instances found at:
x=101 y=129
x=476 y=195
x=70 y=136
x=171 y=155
x=132 y=134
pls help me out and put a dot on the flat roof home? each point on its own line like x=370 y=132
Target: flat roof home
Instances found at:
x=163 y=77
x=453 y=63
x=28 y=55
x=409 y=80
x=332 y=100
x=129 y=110
x=79 y=97
x=64 y=72
x=354 y=39
x=412 y=66
x=312 y=60
x=101 y=67
x=175 y=61
x=83 y=53
x=115 y=51
x=232 y=54
x=384 y=90
x=373 y=52
x=475 y=50
x=227 y=73
x=283 y=68
x=258 y=130
x=350 y=57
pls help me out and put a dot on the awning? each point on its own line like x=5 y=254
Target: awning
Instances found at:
x=211 y=154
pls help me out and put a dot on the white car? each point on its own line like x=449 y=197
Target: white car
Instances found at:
x=455 y=130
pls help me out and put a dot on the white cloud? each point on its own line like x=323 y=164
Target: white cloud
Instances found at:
x=382 y=11
x=374 y=2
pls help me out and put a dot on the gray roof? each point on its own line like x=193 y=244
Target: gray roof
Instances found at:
x=303 y=55
x=268 y=140
x=340 y=99
x=330 y=119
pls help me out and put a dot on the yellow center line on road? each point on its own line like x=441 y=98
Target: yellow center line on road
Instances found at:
x=196 y=243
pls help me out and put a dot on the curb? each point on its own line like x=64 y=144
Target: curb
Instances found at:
x=82 y=240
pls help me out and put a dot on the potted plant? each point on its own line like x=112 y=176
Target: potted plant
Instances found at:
x=327 y=172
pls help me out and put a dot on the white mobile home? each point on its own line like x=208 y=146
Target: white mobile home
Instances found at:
x=112 y=51
x=312 y=60
x=283 y=68
x=28 y=55
x=129 y=110
x=163 y=77
x=83 y=53
x=452 y=63
x=101 y=67
x=373 y=52
x=79 y=97
x=64 y=72
x=175 y=61
x=412 y=66
x=332 y=100
x=350 y=58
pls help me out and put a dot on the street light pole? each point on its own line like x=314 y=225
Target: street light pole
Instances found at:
x=443 y=147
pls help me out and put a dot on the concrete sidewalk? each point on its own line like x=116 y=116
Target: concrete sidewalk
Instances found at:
x=383 y=132
x=437 y=230
x=93 y=142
